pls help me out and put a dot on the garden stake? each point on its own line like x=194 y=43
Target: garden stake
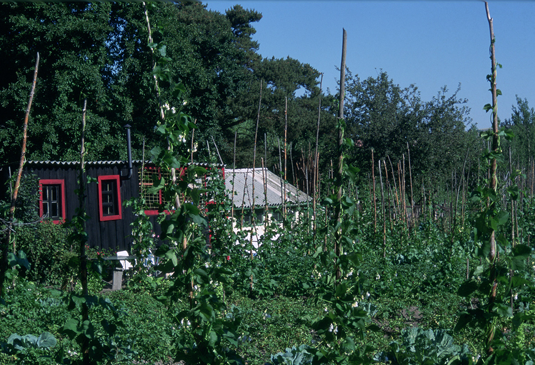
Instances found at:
x=383 y=208
x=7 y=235
x=338 y=242
x=410 y=177
x=374 y=200
x=395 y=187
x=316 y=158
x=493 y=184
x=280 y=180
x=192 y=139
x=217 y=150
x=233 y=177
x=401 y=203
x=83 y=240
x=285 y=147
x=253 y=179
x=389 y=196
x=264 y=182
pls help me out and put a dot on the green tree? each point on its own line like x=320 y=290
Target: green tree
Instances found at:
x=71 y=39
x=383 y=116
x=387 y=118
x=282 y=79
x=522 y=123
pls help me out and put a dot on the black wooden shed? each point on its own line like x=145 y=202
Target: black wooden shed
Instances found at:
x=109 y=226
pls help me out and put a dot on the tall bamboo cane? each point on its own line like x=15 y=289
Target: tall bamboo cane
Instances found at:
x=7 y=235
x=338 y=241
x=493 y=184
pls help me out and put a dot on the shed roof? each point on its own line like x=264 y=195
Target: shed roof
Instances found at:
x=104 y=163
x=243 y=188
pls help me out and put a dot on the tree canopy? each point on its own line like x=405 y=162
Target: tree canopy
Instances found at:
x=100 y=52
x=394 y=121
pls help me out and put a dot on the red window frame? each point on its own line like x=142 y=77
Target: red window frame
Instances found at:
x=61 y=183
x=119 y=215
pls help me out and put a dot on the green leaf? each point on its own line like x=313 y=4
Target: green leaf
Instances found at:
x=517 y=281
x=171 y=255
x=348 y=345
x=71 y=328
x=46 y=340
x=341 y=289
x=88 y=329
x=504 y=310
x=319 y=250
x=355 y=258
x=522 y=251
x=212 y=338
x=11 y=260
x=479 y=270
x=78 y=300
x=22 y=260
x=201 y=276
x=467 y=288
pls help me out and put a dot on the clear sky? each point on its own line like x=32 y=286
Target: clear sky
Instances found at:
x=430 y=44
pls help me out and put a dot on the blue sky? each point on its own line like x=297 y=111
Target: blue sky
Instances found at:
x=430 y=44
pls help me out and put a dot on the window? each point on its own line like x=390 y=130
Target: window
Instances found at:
x=109 y=196
x=52 y=200
x=247 y=217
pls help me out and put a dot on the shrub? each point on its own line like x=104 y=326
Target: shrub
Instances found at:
x=46 y=247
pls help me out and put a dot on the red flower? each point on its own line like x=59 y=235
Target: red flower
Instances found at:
x=228 y=258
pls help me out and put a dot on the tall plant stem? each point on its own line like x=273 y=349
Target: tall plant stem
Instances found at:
x=389 y=195
x=410 y=179
x=405 y=195
x=280 y=175
x=264 y=183
x=233 y=177
x=83 y=256
x=292 y=164
x=373 y=197
x=192 y=141
x=512 y=202
x=265 y=186
x=253 y=221
x=316 y=159
x=493 y=184
x=338 y=241
x=157 y=86
x=395 y=187
x=217 y=151
x=383 y=209
x=285 y=146
x=6 y=238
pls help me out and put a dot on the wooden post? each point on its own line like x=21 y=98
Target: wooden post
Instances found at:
x=493 y=169
x=383 y=209
x=410 y=177
x=373 y=197
x=316 y=159
x=338 y=241
x=285 y=148
x=7 y=236
x=253 y=222
x=233 y=178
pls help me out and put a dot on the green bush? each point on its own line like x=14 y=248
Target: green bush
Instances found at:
x=46 y=247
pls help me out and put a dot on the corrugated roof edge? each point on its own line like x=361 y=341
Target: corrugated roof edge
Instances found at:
x=116 y=162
